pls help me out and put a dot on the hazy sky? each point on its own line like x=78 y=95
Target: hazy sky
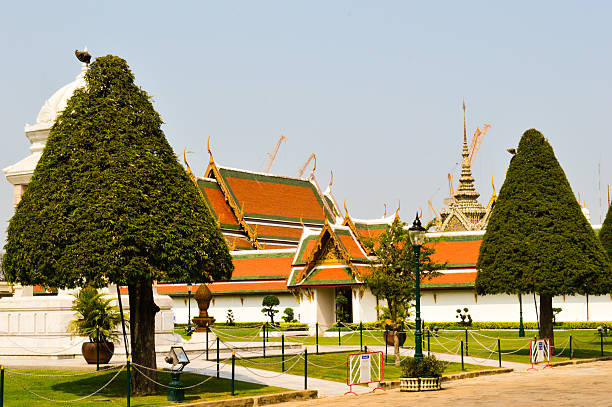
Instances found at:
x=373 y=88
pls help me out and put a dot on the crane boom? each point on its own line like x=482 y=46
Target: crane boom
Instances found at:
x=272 y=155
x=475 y=143
x=301 y=171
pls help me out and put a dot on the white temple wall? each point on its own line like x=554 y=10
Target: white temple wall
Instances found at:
x=246 y=308
x=436 y=306
x=364 y=308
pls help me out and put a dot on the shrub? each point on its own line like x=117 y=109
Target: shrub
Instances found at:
x=230 y=318
x=289 y=315
x=429 y=366
x=94 y=310
x=269 y=302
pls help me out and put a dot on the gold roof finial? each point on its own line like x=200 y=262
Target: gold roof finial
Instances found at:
x=385 y=214
x=399 y=205
x=331 y=181
x=345 y=210
x=186 y=163
x=314 y=167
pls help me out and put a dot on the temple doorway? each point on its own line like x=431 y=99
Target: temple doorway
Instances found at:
x=344 y=304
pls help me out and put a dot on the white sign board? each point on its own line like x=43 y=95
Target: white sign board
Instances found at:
x=364 y=369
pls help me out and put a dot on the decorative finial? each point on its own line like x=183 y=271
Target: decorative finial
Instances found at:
x=345 y=210
x=399 y=205
x=185 y=160
x=493 y=185
x=464 y=126
x=385 y=214
x=315 y=164
x=331 y=181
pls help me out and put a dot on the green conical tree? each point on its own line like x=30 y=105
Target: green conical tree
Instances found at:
x=605 y=234
x=537 y=239
x=109 y=203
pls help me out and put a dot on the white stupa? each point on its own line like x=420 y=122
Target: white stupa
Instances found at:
x=36 y=326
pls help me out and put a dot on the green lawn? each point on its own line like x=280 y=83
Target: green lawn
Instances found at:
x=332 y=366
x=480 y=344
x=60 y=387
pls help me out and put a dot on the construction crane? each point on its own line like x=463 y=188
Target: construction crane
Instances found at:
x=312 y=157
x=451 y=190
x=272 y=155
x=475 y=143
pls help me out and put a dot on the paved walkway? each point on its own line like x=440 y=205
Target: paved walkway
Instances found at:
x=576 y=385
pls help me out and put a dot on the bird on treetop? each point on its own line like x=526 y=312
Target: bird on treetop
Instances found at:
x=83 y=56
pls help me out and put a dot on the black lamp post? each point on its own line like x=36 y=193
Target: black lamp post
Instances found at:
x=417 y=236
x=189 y=309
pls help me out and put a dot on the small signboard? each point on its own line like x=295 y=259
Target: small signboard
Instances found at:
x=539 y=352
x=364 y=368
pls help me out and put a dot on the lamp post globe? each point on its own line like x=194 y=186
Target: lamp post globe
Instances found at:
x=417 y=237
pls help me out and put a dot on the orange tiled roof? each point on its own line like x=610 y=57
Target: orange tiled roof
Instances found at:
x=456 y=253
x=216 y=200
x=224 y=288
x=279 y=232
x=452 y=280
x=273 y=197
x=261 y=265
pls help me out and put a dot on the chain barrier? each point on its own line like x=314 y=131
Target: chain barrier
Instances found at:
x=45 y=353
x=174 y=387
x=267 y=364
x=277 y=375
x=64 y=401
x=103 y=369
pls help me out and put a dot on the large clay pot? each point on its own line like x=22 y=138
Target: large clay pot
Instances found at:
x=107 y=349
x=389 y=338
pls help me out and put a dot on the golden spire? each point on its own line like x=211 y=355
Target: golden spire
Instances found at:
x=385 y=214
x=331 y=181
x=464 y=127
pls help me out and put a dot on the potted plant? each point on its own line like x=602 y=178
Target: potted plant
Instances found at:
x=97 y=319
x=421 y=375
x=390 y=328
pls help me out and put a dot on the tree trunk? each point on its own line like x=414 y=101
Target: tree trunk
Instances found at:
x=142 y=335
x=393 y=312
x=546 y=320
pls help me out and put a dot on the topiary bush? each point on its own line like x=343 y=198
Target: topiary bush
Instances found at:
x=429 y=366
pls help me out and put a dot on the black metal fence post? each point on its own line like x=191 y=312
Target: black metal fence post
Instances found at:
x=264 y=343
x=386 y=345
x=217 y=357
x=233 y=371
x=339 y=341
x=360 y=336
x=1 y=385
x=499 y=350
x=462 y=365
x=206 y=342
x=601 y=341
x=317 y=336
x=305 y=368
x=571 y=353
x=128 y=381
x=428 y=342
x=466 y=342
x=283 y=351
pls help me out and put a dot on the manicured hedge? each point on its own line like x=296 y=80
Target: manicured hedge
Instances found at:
x=515 y=325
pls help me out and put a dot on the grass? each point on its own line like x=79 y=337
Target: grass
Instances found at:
x=480 y=344
x=332 y=366
x=55 y=386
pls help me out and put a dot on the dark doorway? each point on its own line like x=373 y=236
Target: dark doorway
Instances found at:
x=344 y=304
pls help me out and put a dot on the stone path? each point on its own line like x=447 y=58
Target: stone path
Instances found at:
x=576 y=385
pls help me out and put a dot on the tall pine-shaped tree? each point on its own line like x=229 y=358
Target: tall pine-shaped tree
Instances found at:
x=538 y=240
x=605 y=234
x=109 y=203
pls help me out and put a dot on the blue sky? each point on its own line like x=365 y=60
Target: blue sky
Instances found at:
x=373 y=88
